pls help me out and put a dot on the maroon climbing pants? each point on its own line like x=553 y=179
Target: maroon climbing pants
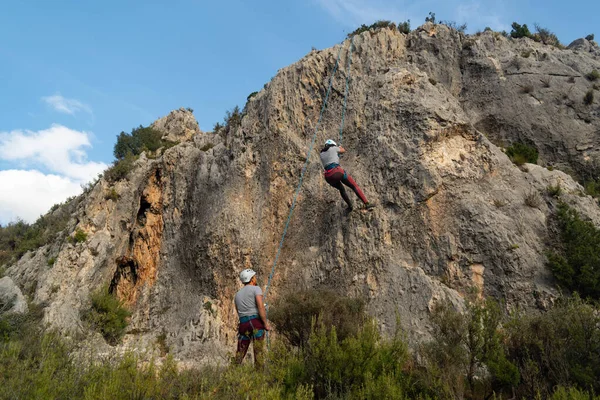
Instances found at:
x=251 y=331
x=337 y=178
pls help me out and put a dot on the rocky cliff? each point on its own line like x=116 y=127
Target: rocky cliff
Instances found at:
x=428 y=115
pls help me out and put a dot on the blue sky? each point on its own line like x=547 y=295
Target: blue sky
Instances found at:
x=76 y=73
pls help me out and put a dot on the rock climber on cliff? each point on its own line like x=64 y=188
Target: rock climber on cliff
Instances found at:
x=337 y=177
x=253 y=319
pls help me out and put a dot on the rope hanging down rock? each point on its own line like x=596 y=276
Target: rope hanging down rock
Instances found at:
x=312 y=144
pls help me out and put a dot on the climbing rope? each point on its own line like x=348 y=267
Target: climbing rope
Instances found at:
x=304 y=168
x=347 y=88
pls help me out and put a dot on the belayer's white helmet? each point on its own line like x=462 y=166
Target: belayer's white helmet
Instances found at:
x=331 y=142
x=246 y=275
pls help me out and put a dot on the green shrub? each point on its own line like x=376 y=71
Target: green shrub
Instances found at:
x=593 y=76
x=293 y=312
x=17 y=238
x=546 y=36
x=519 y=31
x=463 y=344
x=79 y=237
x=577 y=265
x=207 y=147
x=559 y=347
x=51 y=261
x=554 y=190
x=139 y=140
x=526 y=53
x=107 y=315
x=112 y=195
x=590 y=37
x=588 y=99
x=592 y=187
x=431 y=18
x=190 y=110
x=251 y=95
x=120 y=168
x=453 y=25
x=404 y=27
x=520 y=153
x=233 y=119
x=374 y=26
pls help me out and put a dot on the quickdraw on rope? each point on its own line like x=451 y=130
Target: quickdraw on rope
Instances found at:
x=304 y=168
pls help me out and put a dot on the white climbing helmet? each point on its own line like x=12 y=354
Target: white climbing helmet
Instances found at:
x=331 y=142
x=246 y=275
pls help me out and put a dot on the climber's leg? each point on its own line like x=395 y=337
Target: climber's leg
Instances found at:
x=334 y=177
x=348 y=181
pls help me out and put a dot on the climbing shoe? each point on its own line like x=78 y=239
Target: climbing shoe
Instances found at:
x=368 y=206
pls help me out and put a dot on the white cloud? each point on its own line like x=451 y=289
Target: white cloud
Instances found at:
x=66 y=106
x=29 y=194
x=59 y=149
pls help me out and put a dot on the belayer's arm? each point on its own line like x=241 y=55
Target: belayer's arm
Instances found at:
x=261 y=311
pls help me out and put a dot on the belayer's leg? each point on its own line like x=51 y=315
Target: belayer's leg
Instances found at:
x=338 y=185
x=242 y=348
x=348 y=181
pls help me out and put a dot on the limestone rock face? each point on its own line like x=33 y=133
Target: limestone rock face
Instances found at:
x=11 y=298
x=180 y=125
x=428 y=114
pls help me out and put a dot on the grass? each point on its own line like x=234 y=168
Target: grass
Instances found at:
x=527 y=89
x=532 y=199
x=545 y=82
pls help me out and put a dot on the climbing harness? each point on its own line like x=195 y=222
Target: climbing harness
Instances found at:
x=304 y=168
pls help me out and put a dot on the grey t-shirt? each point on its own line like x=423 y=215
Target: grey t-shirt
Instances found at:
x=330 y=156
x=245 y=300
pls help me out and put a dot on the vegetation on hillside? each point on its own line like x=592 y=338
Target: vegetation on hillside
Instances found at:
x=576 y=265
x=520 y=153
x=128 y=148
x=19 y=237
x=107 y=315
x=478 y=354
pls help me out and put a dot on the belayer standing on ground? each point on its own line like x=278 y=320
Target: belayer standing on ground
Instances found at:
x=253 y=319
x=336 y=176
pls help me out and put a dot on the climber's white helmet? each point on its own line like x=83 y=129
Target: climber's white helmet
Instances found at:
x=330 y=142
x=246 y=275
